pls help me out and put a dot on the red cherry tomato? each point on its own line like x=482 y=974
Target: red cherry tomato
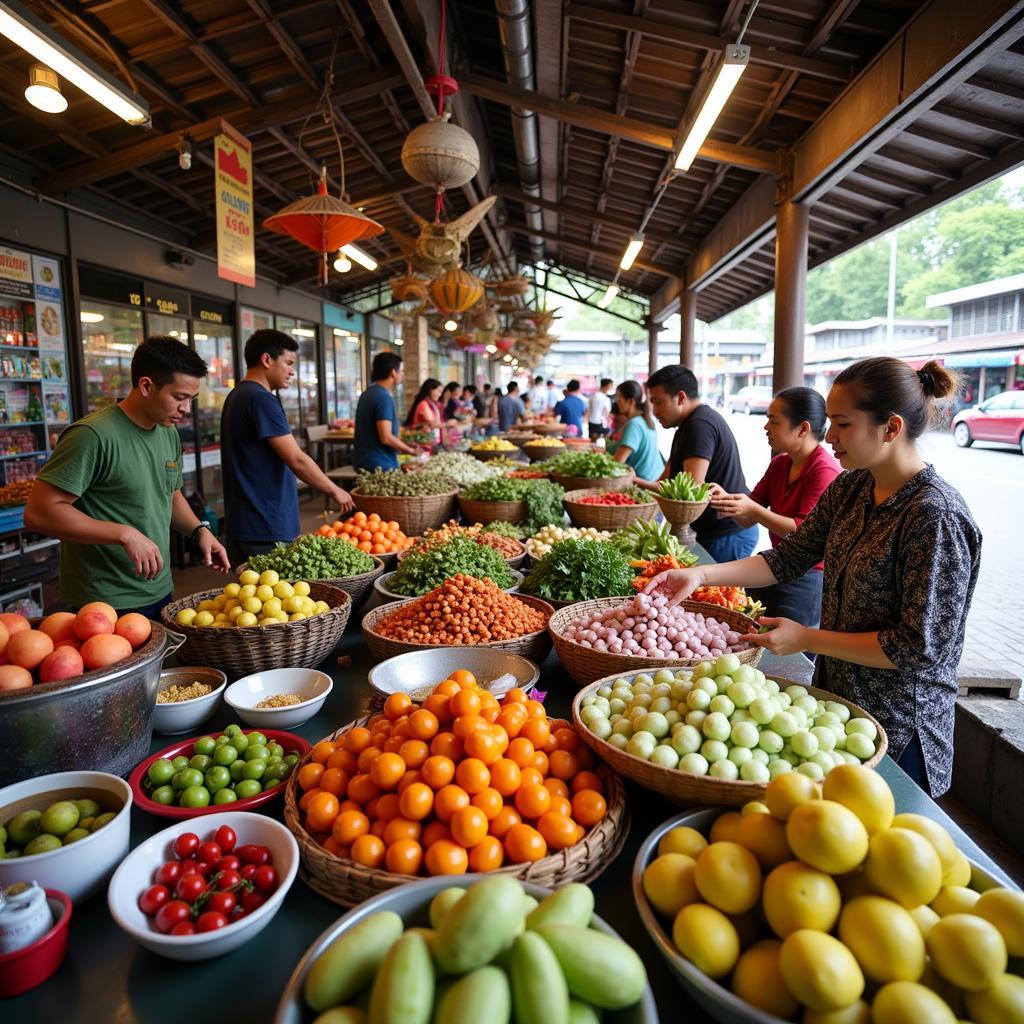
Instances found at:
x=228 y=880
x=186 y=845
x=225 y=838
x=248 y=870
x=243 y=852
x=222 y=903
x=189 y=887
x=208 y=853
x=252 y=901
x=229 y=863
x=169 y=873
x=153 y=898
x=172 y=913
x=203 y=869
x=265 y=879
x=210 y=921
x=189 y=867
x=184 y=928
x=251 y=854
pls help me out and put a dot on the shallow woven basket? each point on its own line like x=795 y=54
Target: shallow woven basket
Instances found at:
x=492 y=511
x=357 y=587
x=594 y=483
x=349 y=883
x=415 y=514
x=381 y=586
x=682 y=787
x=519 y=439
x=549 y=429
x=605 y=517
x=585 y=664
x=542 y=452
x=681 y=513
x=240 y=651
x=534 y=646
x=486 y=454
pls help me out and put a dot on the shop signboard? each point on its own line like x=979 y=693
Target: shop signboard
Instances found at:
x=15 y=273
x=236 y=240
x=166 y=301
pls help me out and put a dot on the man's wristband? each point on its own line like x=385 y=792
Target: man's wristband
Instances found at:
x=198 y=527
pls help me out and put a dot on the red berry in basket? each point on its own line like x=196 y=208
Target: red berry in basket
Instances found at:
x=153 y=898
x=210 y=921
x=225 y=838
x=189 y=887
x=265 y=879
x=186 y=845
x=171 y=914
x=169 y=873
x=208 y=853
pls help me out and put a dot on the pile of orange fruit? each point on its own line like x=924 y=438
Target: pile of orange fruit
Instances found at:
x=369 y=533
x=458 y=783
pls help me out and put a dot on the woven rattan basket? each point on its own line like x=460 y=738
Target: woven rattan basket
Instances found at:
x=605 y=517
x=345 y=882
x=534 y=646
x=585 y=664
x=681 y=513
x=486 y=454
x=549 y=429
x=682 y=787
x=357 y=587
x=241 y=651
x=381 y=586
x=594 y=483
x=493 y=511
x=537 y=451
x=415 y=514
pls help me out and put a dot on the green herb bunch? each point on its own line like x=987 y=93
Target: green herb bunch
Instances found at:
x=578 y=570
x=420 y=572
x=311 y=557
x=543 y=499
x=585 y=464
x=683 y=487
x=394 y=483
x=503 y=529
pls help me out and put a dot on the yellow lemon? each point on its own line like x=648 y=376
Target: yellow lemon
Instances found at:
x=272 y=607
x=1004 y=908
x=219 y=601
x=757 y=980
x=253 y=605
x=790 y=790
x=765 y=837
x=321 y=608
x=955 y=899
x=249 y=590
x=820 y=971
x=185 y=617
x=283 y=589
x=232 y=602
x=856 y=1013
x=797 y=897
x=728 y=877
x=268 y=578
x=682 y=840
x=297 y=617
x=967 y=951
x=828 y=836
x=960 y=873
x=754 y=807
x=883 y=938
x=864 y=792
x=203 y=618
x=281 y=616
x=1001 y=1003
x=292 y=604
x=264 y=592
x=934 y=833
x=246 y=619
x=904 y=866
x=724 y=828
x=206 y=606
x=266 y=622
x=302 y=588
x=924 y=917
x=231 y=590
x=669 y=883
x=249 y=577
x=235 y=612
x=904 y=1002
x=707 y=939
x=219 y=617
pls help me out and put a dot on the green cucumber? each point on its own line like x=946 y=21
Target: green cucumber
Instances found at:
x=598 y=968
x=442 y=903
x=403 y=991
x=573 y=904
x=480 y=997
x=480 y=925
x=539 y=991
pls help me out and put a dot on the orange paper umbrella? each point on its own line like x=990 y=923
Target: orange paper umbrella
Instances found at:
x=323 y=223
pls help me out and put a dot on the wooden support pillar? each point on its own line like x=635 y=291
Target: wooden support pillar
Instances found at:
x=415 y=356
x=652 y=346
x=688 y=328
x=790 y=280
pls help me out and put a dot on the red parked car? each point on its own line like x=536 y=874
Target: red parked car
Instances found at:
x=999 y=418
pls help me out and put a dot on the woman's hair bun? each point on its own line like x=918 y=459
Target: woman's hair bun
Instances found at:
x=936 y=380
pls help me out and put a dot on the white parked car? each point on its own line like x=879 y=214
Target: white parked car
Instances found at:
x=752 y=398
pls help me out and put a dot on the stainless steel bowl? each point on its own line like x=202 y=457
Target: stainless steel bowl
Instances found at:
x=380 y=584
x=412 y=903
x=99 y=721
x=419 y=670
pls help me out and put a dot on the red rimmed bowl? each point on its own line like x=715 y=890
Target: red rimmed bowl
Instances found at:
x=291 y=743
x=30 y=966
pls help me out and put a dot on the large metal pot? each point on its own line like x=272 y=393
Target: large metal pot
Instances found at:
x=99 y=721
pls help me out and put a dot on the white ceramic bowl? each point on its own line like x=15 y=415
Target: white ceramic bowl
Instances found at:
x=136 y=874
x=311 y=686
x=187 y=715
x=80 y=869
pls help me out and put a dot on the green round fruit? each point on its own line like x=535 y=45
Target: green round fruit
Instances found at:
x=255 y=752
x=89 y=808
x=235 y=769
x=204 y=745
x=258 y=738
x=247 y=788
x=224 y=796
x=24 y=827
x=179 y=763
x=217 y=778
x=74 y=835
x=42 y=843
x=200 y=762
x=164 y=795
x=60 y=818
x=195 y=796
x=225 y=755
x=185 y=778
x=160 y=773
x=253 y=769
x=102 y=819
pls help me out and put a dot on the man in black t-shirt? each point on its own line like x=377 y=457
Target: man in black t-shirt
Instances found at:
x=705 y=447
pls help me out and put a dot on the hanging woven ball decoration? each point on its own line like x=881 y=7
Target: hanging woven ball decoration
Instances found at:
x=456 y=290
x=440 y=154
x=505 y=342
x=409 y=287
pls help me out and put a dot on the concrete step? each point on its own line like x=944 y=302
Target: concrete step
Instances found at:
x=976 y=676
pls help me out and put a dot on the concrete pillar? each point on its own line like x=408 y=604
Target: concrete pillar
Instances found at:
x=415 y=356
x=790 y=281
x=688 y=328
x=652 y=346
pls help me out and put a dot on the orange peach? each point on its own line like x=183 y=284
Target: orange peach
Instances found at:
x=28 y=648
x=14 y=677
x=135 y=628
x=103 y=649
x=63 y=663
x=4 y=637
x=14 y=622
x=59 y=626
x=100 y=606
x=93 y=623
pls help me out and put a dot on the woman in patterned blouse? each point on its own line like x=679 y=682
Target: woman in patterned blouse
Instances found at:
x=901 y=554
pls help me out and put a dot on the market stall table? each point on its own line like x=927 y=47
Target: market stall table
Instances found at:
x=107 y=977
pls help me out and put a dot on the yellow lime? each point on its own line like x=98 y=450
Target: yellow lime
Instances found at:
x=724 y=828
x=669 y=883
x=1004 y=908
x=302 y=588
x=246 y=619
x=682 y=840
x=728 y=877
x=864 y=792
x=820 y=971
x=185 y=617
x=283 y=589
x=264 y=592
x=249 y=590
x=253 y=605
x=249 y=577
x=754 y=807
x=758 y=980
x=857 y=1013
x=904 y=1002
x=934 y=833
x=268 y=578
x=967 y=951
x=1001 y=1003
x=904 y=866
x=706 y=937
x=828 y=836
x=955 y=899
x=765 y=837
x=203 y=618
x=796 y=896
x=960 y=873
x=924 y=917
x=883 y=938
x=231 y=590
x=790 y=790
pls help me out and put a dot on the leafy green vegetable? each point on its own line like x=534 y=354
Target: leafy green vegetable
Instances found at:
x=585 y=464
x=683 y=487
x=503 y=529
x=543 y=499
x=578 y=570
x=394 y=483
x=311 y=557
x=647 y=540
x=420 y=572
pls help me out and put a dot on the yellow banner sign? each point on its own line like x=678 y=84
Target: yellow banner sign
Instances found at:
x=236 y=248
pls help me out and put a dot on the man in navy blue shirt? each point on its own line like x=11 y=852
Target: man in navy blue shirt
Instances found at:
x=377 y=443
x=571 y=409
x=260 y=458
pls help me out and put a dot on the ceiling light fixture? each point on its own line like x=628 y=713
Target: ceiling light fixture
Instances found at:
x=364 y=259
x=451 y=325
x=342 y=264
x=34 y=36
x=636 y=243
x=606 y=299
x=399 y=342
x=490 y=349
x=43 y=90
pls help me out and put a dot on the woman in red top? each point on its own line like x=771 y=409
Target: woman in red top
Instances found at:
x=787 y=492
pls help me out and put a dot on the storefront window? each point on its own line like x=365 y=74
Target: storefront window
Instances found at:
x=301 y=400
x=177 y=327
x=110 y=334
x=215 y=345
x=254 y=320
x=344 y=375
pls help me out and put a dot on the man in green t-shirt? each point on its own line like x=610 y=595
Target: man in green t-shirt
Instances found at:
x=111 y=491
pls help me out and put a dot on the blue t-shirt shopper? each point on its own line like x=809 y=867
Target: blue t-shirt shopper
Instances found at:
x=645 y=460
x=377 y=444
x=571 y=409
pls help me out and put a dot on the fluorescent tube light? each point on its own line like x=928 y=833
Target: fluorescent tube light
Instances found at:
x=636 y=243
x=364 y=259
x=606 y=299
x=733 y=64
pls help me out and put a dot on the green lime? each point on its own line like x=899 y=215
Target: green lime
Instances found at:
x=160 y=773
x=102 y=819
x=74 y=835
x=41 y=844
x=258 y=738
x=195 y=796
x=204 y=745
x=235 y=770
x=89 y=808
x=247 y=788
x=224 y=796
x=24 y=827
x=164 y=795
x=60 y=818
x=217 y=778
x=179 y=762
x=225 y=755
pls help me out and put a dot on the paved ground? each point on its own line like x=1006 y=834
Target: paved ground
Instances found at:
x=991 y=479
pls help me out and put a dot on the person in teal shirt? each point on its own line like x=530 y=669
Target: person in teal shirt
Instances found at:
x=638 y=444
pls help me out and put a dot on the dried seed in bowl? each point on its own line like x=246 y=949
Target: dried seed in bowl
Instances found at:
x=279 y=700
x=175 y=694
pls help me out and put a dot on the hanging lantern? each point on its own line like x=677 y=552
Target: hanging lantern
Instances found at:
x=465 y=340
x=440 y=154
x=505 y=342
x=456 y=290
x=484 y=336
x=409 y=287
x=485 y=316
x=508 y=287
